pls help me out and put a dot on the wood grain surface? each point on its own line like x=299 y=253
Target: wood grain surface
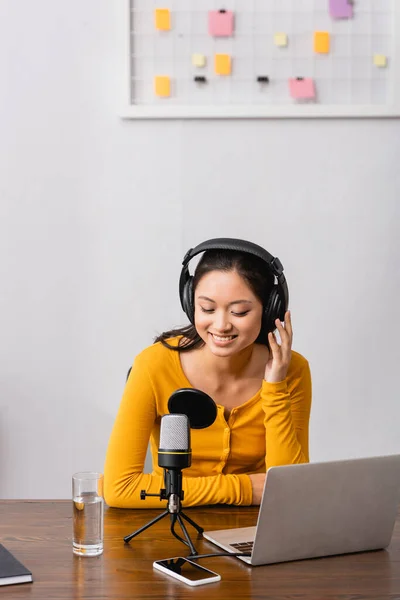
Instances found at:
x=39 y=533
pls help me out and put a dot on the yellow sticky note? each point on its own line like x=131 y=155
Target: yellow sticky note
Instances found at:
x=280 y=39
x=380 y=60
x=199 y=60
x=162 y=86
x=321 y=42
x=222 y=64
x=162 y=18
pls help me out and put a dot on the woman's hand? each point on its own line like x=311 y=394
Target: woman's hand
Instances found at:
x=257 y=483
x=279 y=360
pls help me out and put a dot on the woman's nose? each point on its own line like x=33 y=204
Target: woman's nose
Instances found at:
x=222 y=322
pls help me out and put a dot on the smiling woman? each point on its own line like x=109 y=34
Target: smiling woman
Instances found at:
x=235 y=301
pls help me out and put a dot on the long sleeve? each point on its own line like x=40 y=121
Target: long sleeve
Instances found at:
x=287 y=409
x=138 y=420
x=126 y=453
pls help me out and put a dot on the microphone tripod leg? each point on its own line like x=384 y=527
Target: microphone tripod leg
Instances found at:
x=189 y=541
x=132 y=535
x=193 y=524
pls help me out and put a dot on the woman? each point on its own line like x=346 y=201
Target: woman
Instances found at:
x=230 y=351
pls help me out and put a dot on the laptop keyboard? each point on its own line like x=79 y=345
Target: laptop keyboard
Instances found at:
x=243 y=546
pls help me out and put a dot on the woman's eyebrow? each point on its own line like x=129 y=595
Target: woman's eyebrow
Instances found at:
x=230 y=303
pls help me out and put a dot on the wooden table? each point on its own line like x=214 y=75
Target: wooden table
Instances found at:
x=39 y=534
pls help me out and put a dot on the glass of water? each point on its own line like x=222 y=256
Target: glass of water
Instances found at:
x=88 y=513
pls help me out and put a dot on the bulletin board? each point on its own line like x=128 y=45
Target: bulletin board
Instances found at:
x=260 y=58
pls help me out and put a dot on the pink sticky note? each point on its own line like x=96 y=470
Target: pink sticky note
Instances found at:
x=302 y=88
x=220 y=23
x=341 y=9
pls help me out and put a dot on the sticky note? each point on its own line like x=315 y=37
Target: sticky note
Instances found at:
x=220 y=23
x=222 y=64
x=341 y=9
x=321 y=42
x=162 y=19
x=300 y=88
x=199 y=60
x=162 y=86
x=380 y=60
x=280 y=39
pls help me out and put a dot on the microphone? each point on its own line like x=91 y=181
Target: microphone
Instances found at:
x=174 y=454
x=174 y=450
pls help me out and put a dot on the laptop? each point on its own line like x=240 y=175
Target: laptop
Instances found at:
x=320 y=509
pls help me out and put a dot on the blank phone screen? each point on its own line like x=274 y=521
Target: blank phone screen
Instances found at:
x=187 y=569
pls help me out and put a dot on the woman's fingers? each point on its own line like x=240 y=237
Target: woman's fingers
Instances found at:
x=273 y=343
x=288 y=324
x=285 y=328
x=279 y=361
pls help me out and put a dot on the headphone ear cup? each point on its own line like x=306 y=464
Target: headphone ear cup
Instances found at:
x=188 y=300
x=272 y=311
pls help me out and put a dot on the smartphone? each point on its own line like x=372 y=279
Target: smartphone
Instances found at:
x=187 y=571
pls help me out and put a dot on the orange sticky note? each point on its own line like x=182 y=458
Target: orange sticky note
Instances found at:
x=321 y=42
x=223 y=64
x=162 y=18
x=162 y=86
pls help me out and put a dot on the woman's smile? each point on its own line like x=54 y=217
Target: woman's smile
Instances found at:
x=222 y=340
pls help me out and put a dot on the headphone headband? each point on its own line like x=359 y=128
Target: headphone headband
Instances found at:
x=228 y=244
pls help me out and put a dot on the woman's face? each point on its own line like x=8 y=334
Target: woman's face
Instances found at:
x=227 y=314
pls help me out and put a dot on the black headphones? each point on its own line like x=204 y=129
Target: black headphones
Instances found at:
x=278 y=299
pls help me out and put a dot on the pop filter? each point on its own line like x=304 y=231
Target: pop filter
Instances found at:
x=198 y=406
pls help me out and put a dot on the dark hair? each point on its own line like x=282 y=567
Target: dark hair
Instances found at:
x=251 y=268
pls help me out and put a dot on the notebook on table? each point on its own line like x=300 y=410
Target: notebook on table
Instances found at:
x=320 y=509
x=11 y=570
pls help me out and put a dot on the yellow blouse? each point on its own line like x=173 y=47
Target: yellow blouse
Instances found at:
x=271 y=428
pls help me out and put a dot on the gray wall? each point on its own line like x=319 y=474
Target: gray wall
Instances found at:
x=96 y=214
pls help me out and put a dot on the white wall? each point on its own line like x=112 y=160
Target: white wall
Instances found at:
x=97 y=213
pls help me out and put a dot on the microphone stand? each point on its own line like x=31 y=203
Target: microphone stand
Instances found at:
x=174 y=494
